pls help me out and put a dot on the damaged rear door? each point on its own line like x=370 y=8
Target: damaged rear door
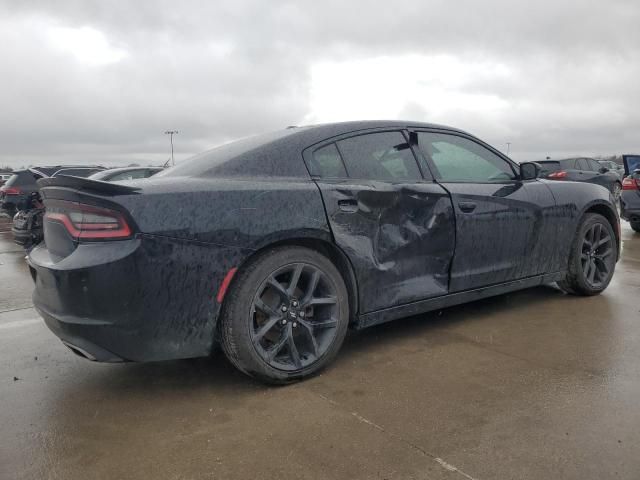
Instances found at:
x=396 y=226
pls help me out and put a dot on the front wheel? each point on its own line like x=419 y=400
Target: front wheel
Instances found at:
x=592 y=259
x=286 y=316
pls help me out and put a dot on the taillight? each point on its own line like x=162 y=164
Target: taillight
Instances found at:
x=10 y=190
x=629 y=183
x=560 y=175
x=86 y=222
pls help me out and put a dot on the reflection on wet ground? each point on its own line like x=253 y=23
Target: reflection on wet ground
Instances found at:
x=529 y=385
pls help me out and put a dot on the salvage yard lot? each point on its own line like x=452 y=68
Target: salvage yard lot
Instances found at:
x=530 y=385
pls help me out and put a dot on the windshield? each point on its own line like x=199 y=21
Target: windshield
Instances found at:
x=632 y=162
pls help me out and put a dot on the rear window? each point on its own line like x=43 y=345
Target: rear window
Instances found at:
x=22 y=178
x=207 y=163
x=549 y=167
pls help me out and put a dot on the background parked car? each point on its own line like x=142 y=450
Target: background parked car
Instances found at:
x=582 y=170
x=15 y=194
x=4 y=177
x=630 y=198
x=613 y=166
x=126 y=173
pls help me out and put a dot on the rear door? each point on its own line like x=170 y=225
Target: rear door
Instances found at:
x=504 y=226
x=396 y=226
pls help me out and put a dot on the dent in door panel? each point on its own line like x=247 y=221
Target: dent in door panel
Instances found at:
x=400 y=240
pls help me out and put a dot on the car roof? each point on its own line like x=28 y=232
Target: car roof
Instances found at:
x=251 y=155
x=322 y=131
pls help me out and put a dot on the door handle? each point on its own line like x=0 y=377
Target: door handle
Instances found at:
x=348 y=205
x=467 y=207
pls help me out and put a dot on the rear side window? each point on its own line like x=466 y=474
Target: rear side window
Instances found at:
x=379 y=156
x=326 y=162
x=458 y=159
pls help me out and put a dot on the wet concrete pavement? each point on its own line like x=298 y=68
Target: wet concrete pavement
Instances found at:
x=531 y=385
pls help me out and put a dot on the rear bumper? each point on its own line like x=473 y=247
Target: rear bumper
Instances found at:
x=74 y=333
x=145 y=299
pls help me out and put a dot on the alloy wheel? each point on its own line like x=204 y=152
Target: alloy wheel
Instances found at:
x=294 y=317
x=596 y=257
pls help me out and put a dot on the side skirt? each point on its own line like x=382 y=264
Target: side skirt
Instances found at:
x=423 y=306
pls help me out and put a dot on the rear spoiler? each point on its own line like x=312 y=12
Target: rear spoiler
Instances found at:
x=85 y=184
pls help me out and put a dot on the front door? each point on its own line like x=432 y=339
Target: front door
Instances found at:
x=503 y=225
x=395 y=226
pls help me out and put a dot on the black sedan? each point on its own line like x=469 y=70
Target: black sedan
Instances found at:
x=273 y=246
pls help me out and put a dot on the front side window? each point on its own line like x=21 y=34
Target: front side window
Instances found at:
x=382 y=156
x=458 y=159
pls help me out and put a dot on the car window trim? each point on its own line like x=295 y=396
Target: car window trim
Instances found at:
x=436 y=174
x=308 y=152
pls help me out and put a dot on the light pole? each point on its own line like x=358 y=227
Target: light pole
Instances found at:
x=171 y=133
x=508 y=147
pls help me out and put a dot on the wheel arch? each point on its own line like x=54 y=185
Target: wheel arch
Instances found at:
x=612 y=217
x=326 y=248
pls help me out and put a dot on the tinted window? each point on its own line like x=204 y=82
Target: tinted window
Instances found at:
x=326 y=162
x=224 y=156
x=379 y=156
x=459 y=159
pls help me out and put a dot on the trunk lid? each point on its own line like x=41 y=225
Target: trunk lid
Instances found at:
x=82 y=210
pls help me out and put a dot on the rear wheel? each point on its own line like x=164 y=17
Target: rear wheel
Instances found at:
x=592 y=259
x=635 y=226
x=286 y=316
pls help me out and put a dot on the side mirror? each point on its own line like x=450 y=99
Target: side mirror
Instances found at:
x=603 y=170
x=529 y=171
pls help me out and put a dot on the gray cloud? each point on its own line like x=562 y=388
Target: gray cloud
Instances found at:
x=221 y=70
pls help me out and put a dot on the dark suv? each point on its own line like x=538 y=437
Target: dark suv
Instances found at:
x=630 y=198
x=582 y=170
x=15 y=194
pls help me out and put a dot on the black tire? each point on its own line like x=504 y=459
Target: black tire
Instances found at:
x=309 y=333
x=635 y=226
x=592 y=258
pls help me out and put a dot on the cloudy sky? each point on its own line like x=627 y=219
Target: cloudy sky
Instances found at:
x=99 y=82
